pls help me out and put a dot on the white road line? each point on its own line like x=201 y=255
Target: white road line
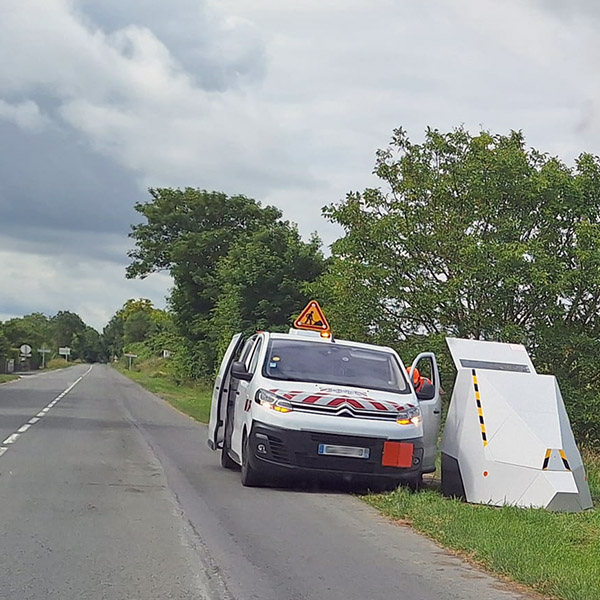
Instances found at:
x=11 y=439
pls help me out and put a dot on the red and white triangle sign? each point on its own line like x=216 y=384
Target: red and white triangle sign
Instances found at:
x=312 y=318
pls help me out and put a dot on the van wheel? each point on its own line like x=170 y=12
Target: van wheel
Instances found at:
x=250 y=476
x=226 y=461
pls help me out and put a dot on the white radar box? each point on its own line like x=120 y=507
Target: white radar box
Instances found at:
x=507 y=438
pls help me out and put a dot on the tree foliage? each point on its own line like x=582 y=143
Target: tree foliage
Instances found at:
x=263 y=281
x=475 y=236
x=65 y=325
x=233 y=262
x=4 y=344
x=63 y=329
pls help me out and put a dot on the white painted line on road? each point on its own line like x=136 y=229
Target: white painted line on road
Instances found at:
x=11 y=439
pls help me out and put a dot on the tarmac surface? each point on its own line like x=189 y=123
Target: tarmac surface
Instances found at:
x=106 y=492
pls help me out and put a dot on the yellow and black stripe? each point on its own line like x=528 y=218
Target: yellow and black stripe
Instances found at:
x=546 y=459
x=563 y=457
x=479 y=408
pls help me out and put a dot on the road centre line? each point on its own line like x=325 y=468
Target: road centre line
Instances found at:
x=11 y=439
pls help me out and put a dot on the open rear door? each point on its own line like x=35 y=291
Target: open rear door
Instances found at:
x=218 y=406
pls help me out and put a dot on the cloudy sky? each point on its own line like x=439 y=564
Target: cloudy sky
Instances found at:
x=286 y=102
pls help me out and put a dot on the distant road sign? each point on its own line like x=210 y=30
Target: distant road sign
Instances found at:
x=64 y=351
x=130 y=356
x=25 y=350
x=43 y=352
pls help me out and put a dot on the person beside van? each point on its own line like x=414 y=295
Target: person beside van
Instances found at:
x=423 y=385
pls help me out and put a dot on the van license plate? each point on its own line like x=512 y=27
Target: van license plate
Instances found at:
x=351 y=451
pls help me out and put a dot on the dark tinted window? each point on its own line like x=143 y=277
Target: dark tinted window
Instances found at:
x=493 y=366
x=332 y=364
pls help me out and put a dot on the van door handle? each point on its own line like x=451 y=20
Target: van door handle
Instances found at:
x=437 y=412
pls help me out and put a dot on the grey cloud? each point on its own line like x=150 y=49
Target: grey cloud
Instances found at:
x=25 y=114
x=94 y=289
x=572 y=8
x=216 y=52
x=53 y=181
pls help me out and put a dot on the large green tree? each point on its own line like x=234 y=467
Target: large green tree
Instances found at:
x=263 y=282
x=87 y=345
x=186 y=232
x=476 y=236
x=190 y=233
x=66 y=325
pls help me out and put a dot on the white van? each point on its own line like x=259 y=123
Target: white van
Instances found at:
x=299 y=402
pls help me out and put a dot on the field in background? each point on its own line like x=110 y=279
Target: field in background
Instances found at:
x=555 y=554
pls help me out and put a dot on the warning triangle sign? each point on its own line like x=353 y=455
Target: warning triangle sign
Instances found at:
x=312 y=318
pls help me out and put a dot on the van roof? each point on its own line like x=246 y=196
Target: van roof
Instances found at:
x=320 y=340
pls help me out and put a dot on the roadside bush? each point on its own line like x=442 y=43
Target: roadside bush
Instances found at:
x=584 y=414
x=57 y=363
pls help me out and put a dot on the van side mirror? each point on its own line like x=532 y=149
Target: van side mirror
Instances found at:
x=427 y=392
x=238 y=371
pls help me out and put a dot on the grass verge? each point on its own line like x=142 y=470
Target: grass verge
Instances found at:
x=191 y=399
x=6 y=378
x=555 y=554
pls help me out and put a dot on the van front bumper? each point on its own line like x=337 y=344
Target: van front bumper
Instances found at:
x=279 y=451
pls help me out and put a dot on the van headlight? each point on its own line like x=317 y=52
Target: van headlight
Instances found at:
x=411 y=415
x=273 y=401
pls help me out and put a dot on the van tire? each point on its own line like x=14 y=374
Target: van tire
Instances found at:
x=226 y=461
x=250 y=476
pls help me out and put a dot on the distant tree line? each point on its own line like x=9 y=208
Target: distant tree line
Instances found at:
x=65 y=329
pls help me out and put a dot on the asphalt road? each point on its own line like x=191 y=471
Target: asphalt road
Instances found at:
x=112 y=494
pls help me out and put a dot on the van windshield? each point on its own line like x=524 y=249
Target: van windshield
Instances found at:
x=332 y=364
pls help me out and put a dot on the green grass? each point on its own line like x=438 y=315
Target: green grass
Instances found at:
x=556 y=554
x=191 y=399
x=5 y=378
